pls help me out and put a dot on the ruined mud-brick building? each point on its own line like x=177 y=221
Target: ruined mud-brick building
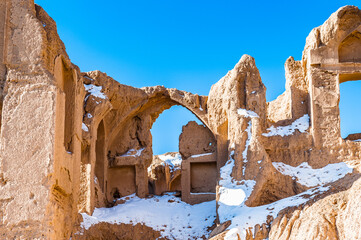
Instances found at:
x=72 y=141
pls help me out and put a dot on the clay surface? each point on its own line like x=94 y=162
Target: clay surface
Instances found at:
x=72 y=141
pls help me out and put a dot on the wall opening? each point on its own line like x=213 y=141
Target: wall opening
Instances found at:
x=165 y=143
x=350 y=116
x=179 y=130
x=100 y=155
x=167 y=128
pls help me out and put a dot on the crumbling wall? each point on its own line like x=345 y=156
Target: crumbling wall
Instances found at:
x=71 y=141
x=293 y=103
x=165 y=176
x=39 y=190
x=197 y=147
x=128 y=114
x=196 y=139
x=312 y=90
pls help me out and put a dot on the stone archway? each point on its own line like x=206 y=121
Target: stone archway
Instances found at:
x=132 y=145
x=127 y=114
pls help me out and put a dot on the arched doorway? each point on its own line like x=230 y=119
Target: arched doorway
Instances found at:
x=131 y=154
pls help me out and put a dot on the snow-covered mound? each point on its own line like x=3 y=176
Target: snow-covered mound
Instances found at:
x=168 y=214
x=233 y=195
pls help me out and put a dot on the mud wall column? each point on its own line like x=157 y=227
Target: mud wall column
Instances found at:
x=324 y=96
x=67 y=154
x=27 y=158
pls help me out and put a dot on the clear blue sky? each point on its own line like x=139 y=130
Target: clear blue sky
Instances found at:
x=188 y=45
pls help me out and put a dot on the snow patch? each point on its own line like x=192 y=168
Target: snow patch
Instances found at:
x=203 y=193
x=84 y=127
x=201 y=155
x=95 y=91
x=233 y=194
x=133 y=153
x=309 y=177
x=243 y=217
x=301 y=124
x=168 y=214
x=173 y=162
x=247 y=113
x=248 y=141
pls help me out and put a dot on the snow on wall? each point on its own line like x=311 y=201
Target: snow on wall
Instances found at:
x=84 y=127
x=301 y=124
x=95 y=91
x=178 y=220
x=168 y=214
x=233 y=194
x=248 y=114
x=309 y=177
x=174 y=163
x=248 y=141
x=201 y=155
x=133 y=153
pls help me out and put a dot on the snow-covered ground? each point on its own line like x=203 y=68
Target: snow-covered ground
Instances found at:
x=233 y=195
x=243 y=217
x=301 y=124
x=168 y=214
x=178 y=220
x=309 y=177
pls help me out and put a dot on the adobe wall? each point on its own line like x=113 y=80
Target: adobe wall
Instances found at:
x=164 y=177
x=127 y=114
x=40 y=149
x=71 y=141
x=198 y=148
x=196 y=139
x=312 y=88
